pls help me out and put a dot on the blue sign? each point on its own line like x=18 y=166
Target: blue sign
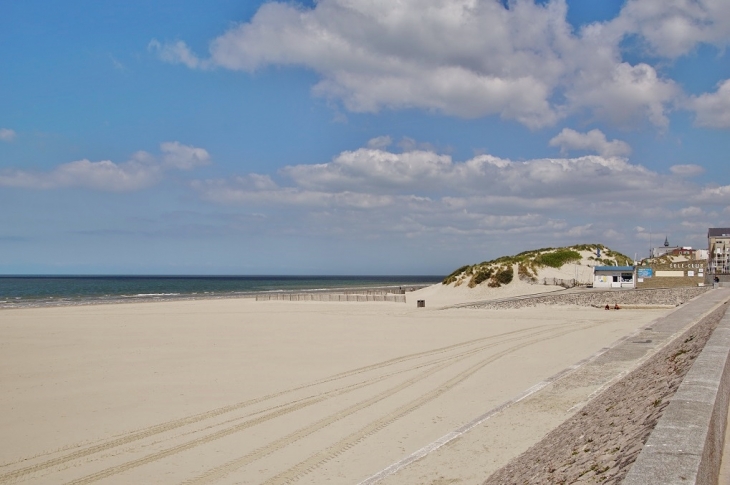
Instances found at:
x=644 y=273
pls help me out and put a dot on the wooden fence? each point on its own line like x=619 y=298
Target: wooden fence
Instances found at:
x=331 y=297
x=559 y=282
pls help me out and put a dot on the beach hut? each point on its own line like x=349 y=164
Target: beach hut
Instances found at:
x=614 y=277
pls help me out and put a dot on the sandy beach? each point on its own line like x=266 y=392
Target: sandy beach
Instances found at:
x=239 y=391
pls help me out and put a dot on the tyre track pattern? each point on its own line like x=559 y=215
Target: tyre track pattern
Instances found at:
x=353 y=439
x=196 y=418
x=440 y=364
x=347 y=443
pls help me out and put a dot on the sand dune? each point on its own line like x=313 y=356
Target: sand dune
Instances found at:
x=439 y=295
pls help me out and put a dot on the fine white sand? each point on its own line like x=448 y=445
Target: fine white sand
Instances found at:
x=439 y=296
x=239 y=391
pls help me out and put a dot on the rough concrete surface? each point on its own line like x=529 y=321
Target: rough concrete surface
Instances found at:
x=594 y=297
x=601 y=442
x=686 y=445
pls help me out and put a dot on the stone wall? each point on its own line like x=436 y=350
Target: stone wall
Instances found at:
x=600 y=298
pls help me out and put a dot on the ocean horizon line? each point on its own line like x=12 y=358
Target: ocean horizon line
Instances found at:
x=191 y=275
x=42 y=290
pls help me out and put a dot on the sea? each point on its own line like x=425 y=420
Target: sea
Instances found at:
x=36 y=291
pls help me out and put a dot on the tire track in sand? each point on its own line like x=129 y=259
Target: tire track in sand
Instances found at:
x=350 y=441
x=196 y=418
x=114 y=470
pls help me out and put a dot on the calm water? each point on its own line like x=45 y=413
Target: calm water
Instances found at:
x=51 y=290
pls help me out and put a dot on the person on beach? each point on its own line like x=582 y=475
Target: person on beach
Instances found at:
x=616 y=307
x=608 y=307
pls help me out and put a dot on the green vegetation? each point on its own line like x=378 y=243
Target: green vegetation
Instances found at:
x=558 y=258
x=504 y=276
x=527 y=272
x=482 y=275
x=452 y=277
x=498 y=272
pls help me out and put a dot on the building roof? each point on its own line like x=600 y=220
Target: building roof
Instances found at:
x=718 y=231
x=613 y=268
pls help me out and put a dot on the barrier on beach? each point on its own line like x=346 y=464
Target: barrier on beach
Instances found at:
x=370 y=296
x=559 y=282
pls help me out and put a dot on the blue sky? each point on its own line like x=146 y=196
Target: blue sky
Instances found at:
x=353 y=136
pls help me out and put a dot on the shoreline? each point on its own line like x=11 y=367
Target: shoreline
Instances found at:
x=170 y=297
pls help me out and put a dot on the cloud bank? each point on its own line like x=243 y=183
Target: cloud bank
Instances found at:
x=142 y=170
x=372 y=191
x=473 y=58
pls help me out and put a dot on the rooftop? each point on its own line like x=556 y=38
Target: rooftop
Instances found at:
x=718 y=232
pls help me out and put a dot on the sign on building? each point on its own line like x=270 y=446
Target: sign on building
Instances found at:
x=644 y=272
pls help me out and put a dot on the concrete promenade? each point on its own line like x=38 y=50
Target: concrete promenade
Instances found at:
x=529 y=418
x=724 y=476
x=686 y=446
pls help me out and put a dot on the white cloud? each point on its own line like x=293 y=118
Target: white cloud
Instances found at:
x=408 y=144
x=468 y=58
x=371 y=193
x=368 y=178
x=380 y=142
x=176 y=53
x=580 y=231
x=141 y=171
x=427 y=173
x=7 y=134
x=625 y=94
x=688 y=170
x=713 y=195
x=713 y=109
x=594 y=141
x=672 y=28
x=691 y=211
x=183 y=157
x=104 y=175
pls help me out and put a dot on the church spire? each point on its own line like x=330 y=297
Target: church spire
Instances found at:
x=666 y=242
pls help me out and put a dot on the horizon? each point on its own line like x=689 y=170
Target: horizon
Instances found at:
x=150 y=275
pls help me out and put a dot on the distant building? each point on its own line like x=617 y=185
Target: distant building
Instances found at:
x=718 y=246
x=614 y=277
x=666 y=249
x=689 y=253
x=686 y=251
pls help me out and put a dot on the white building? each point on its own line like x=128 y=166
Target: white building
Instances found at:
x=614 y=277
